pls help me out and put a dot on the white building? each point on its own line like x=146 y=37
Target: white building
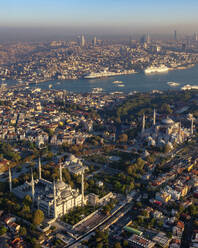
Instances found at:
x=74 y=165
x=54 y=199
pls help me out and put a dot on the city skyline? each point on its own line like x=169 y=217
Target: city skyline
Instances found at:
x=101 y=16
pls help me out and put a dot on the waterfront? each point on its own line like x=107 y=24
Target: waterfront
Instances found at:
x=133 y=82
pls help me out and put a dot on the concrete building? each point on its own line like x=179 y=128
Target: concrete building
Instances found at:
x=140 y=242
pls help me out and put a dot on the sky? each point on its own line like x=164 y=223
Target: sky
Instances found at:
x=100 y=15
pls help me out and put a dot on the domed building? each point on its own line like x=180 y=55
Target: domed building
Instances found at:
x=74 y=165
x=166 y=132
x=168 y=122
x=54 y=199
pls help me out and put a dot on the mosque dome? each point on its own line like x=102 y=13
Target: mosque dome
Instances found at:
x=65 y=194
x=149 y=138
x=71 y=157
x=153 y=143
x=146 y=153
x=60 y=185
x=162 y=142
x=167 y=121
x=76 y=194
x=50 y=196
x=170 y=145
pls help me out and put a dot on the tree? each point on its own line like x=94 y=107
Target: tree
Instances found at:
x=99 y=245
x=2 y=230
x=23 y=231
x=15 y=181
x=117 y=245
x=106 y=210
x=38 y=217
x=27 y=200
x=140 y=162
x=167 y=148
x=123 y=138
x=25 y=209
x=165 y=108
x=125 y=243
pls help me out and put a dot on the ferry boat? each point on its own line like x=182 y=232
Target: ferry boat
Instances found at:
x=117 y=82
x=155 y=69
x=3 y=85
x=121 y=85
x=173 y=84
x=107 y=73
x=116 y=92
x=100 y=74
x=96 y=90
x=190 y=87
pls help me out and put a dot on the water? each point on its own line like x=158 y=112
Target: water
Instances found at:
x=134 y=82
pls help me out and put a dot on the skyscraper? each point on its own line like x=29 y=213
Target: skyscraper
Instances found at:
x=195 y=37
x=175 y=35
x=94 y=41
x=82 y=41
x=148 y=38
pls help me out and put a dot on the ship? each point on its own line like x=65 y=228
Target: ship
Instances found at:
x=3 y=85
x=155 y=69
x=96 y=90
x=101 y=74
x=190 y=87
x=117 y=82
x=173 y=84
x=107 y=73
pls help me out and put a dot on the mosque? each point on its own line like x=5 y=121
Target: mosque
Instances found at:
x=53 y=198
x=167 y=132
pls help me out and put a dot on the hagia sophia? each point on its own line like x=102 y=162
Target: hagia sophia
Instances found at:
x=166 y=132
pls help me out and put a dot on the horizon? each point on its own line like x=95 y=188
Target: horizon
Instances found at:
x=53 y=18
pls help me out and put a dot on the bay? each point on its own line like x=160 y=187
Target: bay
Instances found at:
x=134 y=82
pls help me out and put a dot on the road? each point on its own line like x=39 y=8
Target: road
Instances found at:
x=124 y=209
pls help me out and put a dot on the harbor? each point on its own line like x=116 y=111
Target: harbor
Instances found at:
x=139 y=82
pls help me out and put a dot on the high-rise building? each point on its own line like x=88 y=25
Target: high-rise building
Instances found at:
x=148 y=38
x=175 y=35
x=94 y=41
x=82 y=40
x=143 y=39
x=195 y=37
x=184 y=46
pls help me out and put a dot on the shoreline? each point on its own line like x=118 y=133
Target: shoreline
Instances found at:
x=55 y=81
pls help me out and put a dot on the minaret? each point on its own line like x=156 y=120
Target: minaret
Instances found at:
x=143 y=123
x=55 y=210
x=39 y=167
x=180 y=136
x=33 y=191
x=10 y=179
x=38 y=202
x=82 y=186
x=60 y=172
x=192 y=126
x=154 y=117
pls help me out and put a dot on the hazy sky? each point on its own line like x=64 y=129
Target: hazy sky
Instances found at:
x=101 y=14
